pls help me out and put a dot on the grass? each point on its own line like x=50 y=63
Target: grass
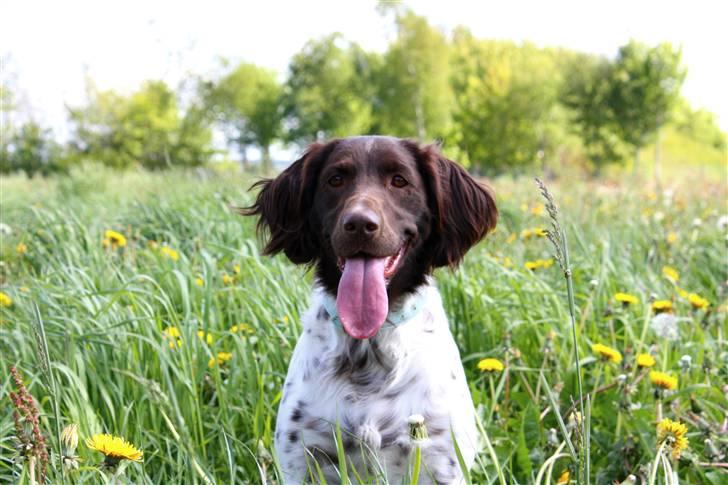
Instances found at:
x=104 y=312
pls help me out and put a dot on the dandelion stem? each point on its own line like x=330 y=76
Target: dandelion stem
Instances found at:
x=653 y=472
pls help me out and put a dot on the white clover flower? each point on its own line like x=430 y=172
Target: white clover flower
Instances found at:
x=665 y=326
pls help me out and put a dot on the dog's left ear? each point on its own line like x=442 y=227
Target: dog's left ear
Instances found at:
x=463 y=209
x=283 y=204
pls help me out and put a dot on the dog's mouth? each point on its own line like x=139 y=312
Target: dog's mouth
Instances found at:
x=391 y=263
x=361 y=299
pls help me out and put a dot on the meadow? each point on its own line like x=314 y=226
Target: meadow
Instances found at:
x=174 y=333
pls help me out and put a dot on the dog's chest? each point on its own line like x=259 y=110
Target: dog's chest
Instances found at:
x=370 y=388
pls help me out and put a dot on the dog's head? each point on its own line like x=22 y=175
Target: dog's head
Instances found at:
x=375 y=215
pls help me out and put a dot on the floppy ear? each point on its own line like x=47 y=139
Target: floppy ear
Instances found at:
x=463 y=209
x=283 y=204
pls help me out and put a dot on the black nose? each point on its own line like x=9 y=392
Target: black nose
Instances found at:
x=362 y=221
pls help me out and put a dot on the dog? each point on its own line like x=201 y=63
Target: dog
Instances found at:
x=374 y=216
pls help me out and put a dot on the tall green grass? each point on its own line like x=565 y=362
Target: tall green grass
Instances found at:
x=104 y=312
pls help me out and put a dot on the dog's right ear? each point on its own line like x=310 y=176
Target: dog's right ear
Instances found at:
x=283 y=204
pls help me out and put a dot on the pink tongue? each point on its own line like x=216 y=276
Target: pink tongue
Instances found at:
x=362 y=297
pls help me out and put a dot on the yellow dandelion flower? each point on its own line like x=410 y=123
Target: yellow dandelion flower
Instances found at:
x=242 y=328
x=207 y=337
x=645 y=360
x=169 y=253
x=698 y=301
x=672 y=237
x=537 y=209
x=236 y=269
x=511 y=238
x=672 y=434
x=540 y=232
x=114 y=239
x=173 y=336
x=220 y=359
x=115 y=448
x=227 y=279
x=539 y=263
x=21 y=248
x=626 y=299
x=490 y=365
x=662 y=380
x=682 y=293
x=546 y=263
x=5 y=300
x=199 y=281
x=526 y=233
x=670 y=273
x=563 y=478
x=607 y=353
x=660 y=306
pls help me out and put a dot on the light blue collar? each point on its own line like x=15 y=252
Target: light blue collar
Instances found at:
x=401 y=313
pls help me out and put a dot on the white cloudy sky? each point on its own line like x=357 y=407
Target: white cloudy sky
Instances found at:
x=48 y=46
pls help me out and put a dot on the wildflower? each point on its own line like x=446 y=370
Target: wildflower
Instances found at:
x=199 y=281
x=670 y=273
x=539 y=263
x=671 y=434
x=418 y=430
x=173 y=335
x=626 y=299
x=645 y=360
x=220 y=359
x=537 y=209
x=21 y=248
x=663 y=381
x=5 y=300
x=236 y=269
x=511 y=238
x=207 y=337
x=563 y=478
x=490 y=365
x=698 y=302
x=114 y=448
x=722 y=222
x=672 y=237
x=607 y=353
x=594 y=283
x=113 y=239
x=169 y=253
x=665 y=326
x=69 y=442
x=536 y=232
x=682 y=293
x=242 y=328
x=660 y=306
x=685 y=362
x=227 y=279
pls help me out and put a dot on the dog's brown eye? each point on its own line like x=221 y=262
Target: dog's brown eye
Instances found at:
x=399 y=181
x=336 y=180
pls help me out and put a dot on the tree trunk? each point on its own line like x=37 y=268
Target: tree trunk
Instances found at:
x=658 y=161
x=266 y=164
x=244 y=158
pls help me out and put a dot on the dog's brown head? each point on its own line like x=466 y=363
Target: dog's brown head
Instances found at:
x=375 y=215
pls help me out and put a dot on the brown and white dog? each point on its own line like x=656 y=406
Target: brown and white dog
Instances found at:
x=374 y=215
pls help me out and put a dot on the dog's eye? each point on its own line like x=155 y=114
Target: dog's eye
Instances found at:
x=399 y=181
x=336 y=181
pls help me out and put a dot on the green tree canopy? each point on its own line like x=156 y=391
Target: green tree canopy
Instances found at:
x=145 y=128
x=327 y=92
x=414 y=95
x=247 y=101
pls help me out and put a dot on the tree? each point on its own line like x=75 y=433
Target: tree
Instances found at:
x=328 y=92
x=645 y=87
x=414 y=96
x=248 y=103
x=586 y=93
x=31 y=149
x=145 y=128
x=505 y=99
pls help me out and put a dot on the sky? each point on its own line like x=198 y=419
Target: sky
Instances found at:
x=48 y=48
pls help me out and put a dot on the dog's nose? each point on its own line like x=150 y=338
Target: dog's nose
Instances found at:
x=361 y=220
